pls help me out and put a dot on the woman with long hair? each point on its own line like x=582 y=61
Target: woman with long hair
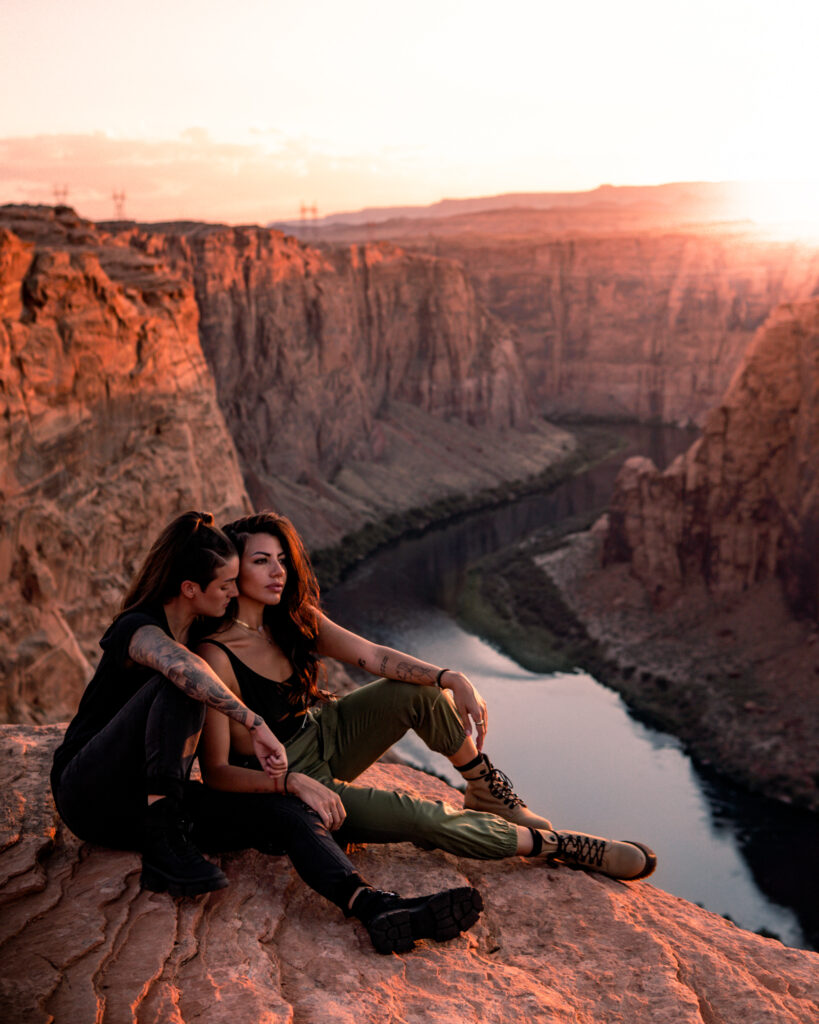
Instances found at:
x=121 y=775
x=268 y=650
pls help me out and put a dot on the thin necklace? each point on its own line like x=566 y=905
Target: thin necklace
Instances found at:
x=254 y=629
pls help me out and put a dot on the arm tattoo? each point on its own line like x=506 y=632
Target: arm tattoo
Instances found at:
x=362 y=663
x=412 y=673
x=382 y=671
x=150 y=646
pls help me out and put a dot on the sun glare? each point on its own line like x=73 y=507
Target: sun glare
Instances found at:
x=789 y=209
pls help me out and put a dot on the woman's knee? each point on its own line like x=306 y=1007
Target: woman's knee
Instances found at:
x=417 y=702
x=168 y=699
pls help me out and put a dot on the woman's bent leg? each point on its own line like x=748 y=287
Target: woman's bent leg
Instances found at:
x=147 y=748
x=382 y=816
x=278 y=823
x=274 y=823
x=360 y=727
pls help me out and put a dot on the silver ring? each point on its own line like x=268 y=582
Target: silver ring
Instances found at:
x=479 y=721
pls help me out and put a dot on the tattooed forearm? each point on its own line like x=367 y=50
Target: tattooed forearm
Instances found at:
x=382 y=671
x=150 y=646
x=414 y=673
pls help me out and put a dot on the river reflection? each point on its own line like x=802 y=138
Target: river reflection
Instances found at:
x=570 y=745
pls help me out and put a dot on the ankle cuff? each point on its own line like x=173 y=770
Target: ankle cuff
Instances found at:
x=472 y=764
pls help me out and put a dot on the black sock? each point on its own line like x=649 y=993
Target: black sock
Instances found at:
x=537 y=843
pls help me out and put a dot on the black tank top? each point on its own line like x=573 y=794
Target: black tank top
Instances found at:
x=267 y=697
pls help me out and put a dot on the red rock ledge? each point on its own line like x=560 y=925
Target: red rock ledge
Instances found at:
x=79 y=941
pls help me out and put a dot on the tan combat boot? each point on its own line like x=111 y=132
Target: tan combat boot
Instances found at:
x=625 y=860
x=488 y=789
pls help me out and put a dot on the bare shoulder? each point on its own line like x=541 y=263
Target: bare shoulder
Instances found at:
x=217 y=659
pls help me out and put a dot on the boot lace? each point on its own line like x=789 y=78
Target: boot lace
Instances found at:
x=500 y=786
x=580 y=848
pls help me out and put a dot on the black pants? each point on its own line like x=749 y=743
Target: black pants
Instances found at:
x=148 y=748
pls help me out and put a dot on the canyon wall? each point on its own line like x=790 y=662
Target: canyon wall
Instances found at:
x=110 y=425
x=79 y=940
x=742 y=504
x=355 y=381
x=614 y=319
x=650 y=326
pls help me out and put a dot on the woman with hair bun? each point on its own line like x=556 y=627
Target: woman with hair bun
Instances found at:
x=268 y=652
x=121 y=775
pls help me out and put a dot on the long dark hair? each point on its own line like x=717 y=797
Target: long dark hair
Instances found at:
x=293 y=622
x=192 y=547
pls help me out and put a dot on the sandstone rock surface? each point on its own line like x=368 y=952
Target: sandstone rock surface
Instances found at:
x=80 y=941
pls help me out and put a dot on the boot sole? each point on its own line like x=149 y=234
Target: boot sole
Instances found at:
x=441 y=917
x=651 y=860
x=158 y=881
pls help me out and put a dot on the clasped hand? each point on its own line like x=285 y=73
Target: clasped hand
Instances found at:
x=270 y=752
x=316 y=795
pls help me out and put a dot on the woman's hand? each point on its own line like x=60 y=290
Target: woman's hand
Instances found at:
x=323 y=801
x=469 y=703
x=270 y=751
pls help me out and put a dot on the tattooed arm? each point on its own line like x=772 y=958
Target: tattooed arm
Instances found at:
x=336 y=642
x=152 y=647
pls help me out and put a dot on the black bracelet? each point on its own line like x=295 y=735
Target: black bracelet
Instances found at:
x=286 y=774
x=439 y=677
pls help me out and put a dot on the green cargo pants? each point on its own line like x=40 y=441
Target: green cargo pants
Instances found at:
x=341 y=739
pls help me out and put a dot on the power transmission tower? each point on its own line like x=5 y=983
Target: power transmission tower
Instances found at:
x=309 y=217
x=119 y=204
x=60 y=194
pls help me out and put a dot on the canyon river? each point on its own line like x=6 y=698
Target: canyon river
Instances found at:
x=570 y=745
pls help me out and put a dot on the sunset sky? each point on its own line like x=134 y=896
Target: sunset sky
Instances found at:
x=243 y=111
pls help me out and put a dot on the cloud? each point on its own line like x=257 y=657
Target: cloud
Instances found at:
x=195 y=177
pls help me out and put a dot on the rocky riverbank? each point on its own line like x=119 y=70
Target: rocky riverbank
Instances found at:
x=728 y=676
x=570 y=453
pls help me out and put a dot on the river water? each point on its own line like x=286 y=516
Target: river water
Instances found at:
x=574 y=752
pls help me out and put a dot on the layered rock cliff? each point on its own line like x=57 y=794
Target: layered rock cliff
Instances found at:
x=615 y=318
x=110 y=425
x=79 y=940
x=647 y=326
x=356 y=381
x=743 y=503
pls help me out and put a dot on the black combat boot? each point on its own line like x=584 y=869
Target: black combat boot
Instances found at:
x=170 y=861
x=395 y=923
